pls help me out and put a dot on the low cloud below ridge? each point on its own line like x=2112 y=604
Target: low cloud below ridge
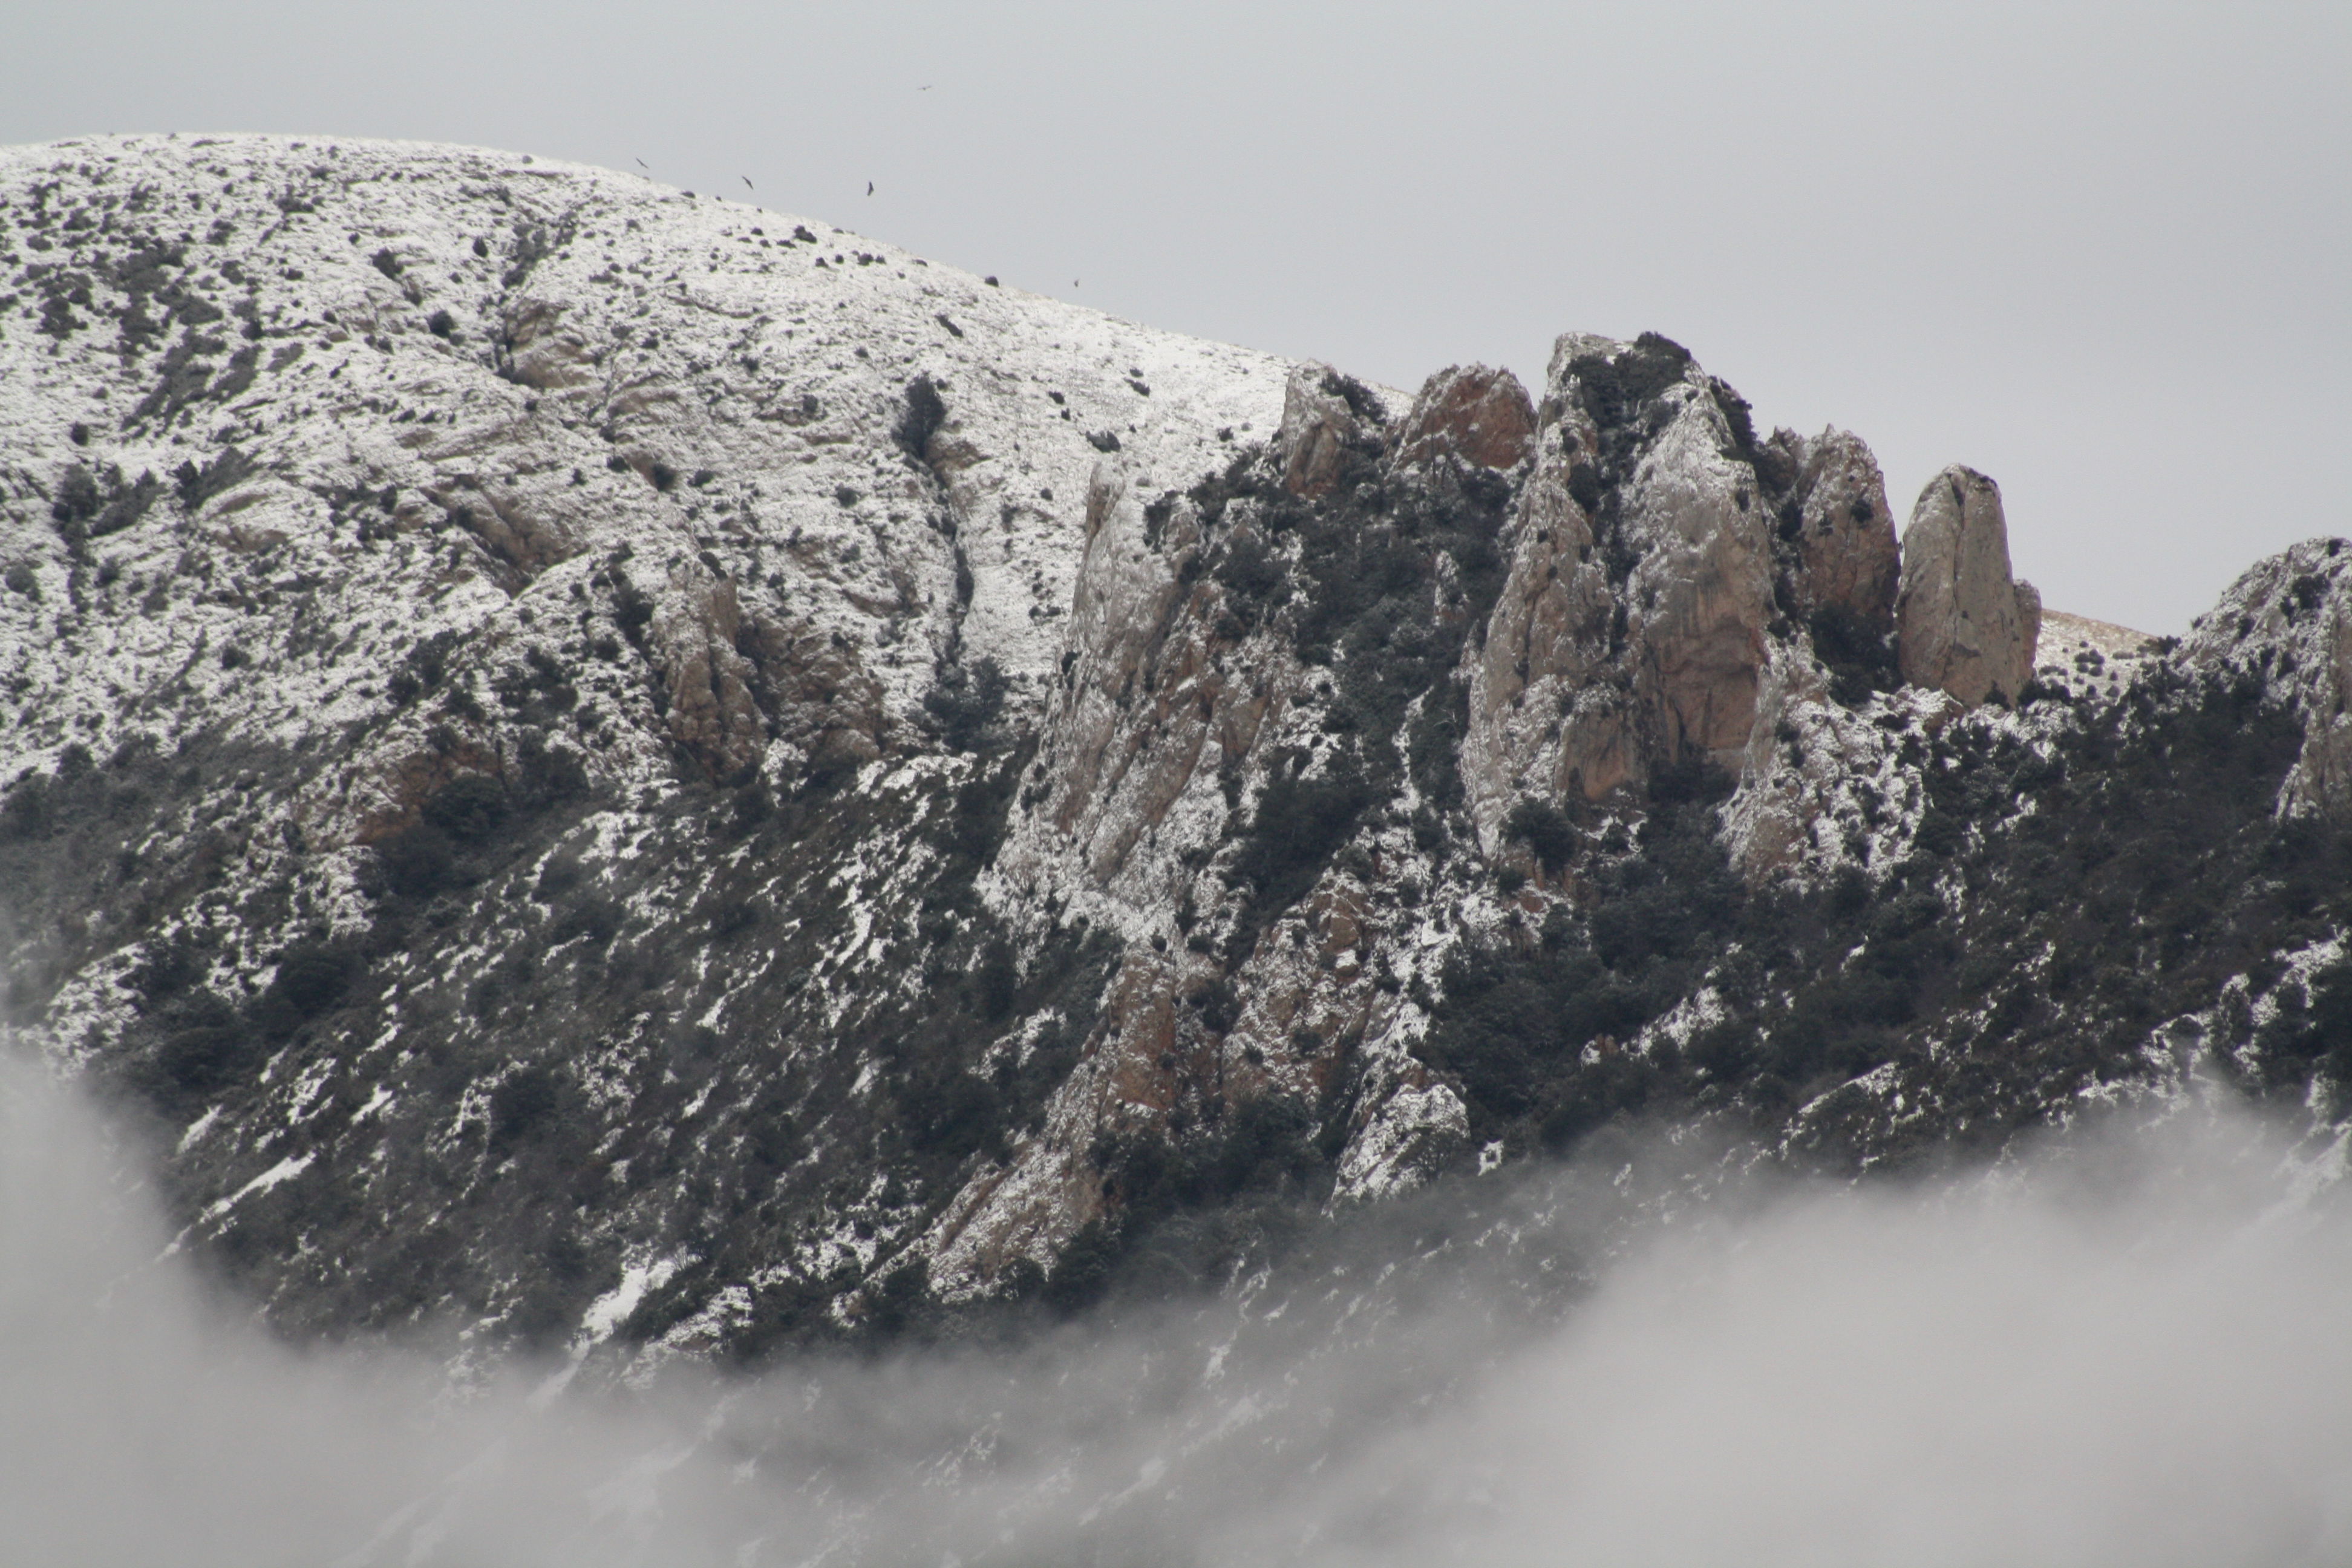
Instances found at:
x=2128 y=1349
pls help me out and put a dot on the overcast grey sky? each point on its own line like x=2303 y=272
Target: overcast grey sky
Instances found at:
x=2100 y=251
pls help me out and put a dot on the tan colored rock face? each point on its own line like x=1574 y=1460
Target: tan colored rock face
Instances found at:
x=1471 y=413
x=1845 y=533
x=1962 y=625
x=1583 y=683
x=545 y=352
x=1544 y=718
x=1316 y=429
x=1701 y=596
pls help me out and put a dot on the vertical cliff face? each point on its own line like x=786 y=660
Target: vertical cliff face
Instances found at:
x=610 y=764
x=1964 y=625
x=1846 y=574
x=1633 y=624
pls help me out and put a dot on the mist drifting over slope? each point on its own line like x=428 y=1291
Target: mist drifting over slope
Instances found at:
x=2126 y=1350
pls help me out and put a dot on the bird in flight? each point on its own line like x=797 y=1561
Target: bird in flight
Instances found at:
x=747 y=182
x=642 y=164
x=869 y=187
x=925 y=88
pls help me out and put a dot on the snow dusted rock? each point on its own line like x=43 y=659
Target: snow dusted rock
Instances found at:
x=1632 y=630
x=1471 y=413
x=531 y=362
x=1700 y=596
x=406 y=509
x=1551 y=714
x=1324 y=413
x=1963 y=625
x=1848 y=561
x=2288 y=623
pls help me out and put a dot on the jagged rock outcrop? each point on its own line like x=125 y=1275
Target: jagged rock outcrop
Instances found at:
x=1324 y=415
x=603 y=762
x=711 y=713
x=1848 y=562
x=2288 y=624
x=1963 y=624
x=1472 y=414
x=1633 y=627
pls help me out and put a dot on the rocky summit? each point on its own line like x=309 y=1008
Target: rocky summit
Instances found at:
x=642 y=776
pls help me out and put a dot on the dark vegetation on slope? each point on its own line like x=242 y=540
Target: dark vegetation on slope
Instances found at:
x=2142 y=858
x=1383 y=583
x=606 y=1094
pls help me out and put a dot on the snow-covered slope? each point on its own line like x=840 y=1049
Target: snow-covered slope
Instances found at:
x=495 y=371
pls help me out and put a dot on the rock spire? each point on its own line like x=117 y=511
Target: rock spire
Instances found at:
x=1962 y=623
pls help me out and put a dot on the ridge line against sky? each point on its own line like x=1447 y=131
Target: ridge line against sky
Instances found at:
x=2097 y=251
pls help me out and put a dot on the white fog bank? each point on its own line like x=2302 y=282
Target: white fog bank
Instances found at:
x=2129 y=1350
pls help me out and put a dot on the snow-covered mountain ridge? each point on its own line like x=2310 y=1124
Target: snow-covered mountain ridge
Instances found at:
x=613 y=763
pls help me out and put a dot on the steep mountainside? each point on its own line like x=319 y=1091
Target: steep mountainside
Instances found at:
x=620 y=767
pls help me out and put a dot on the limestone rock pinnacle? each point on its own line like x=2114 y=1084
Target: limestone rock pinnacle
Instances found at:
x=1962 y=625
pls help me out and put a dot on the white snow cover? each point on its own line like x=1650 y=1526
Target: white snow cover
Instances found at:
x=515 y=350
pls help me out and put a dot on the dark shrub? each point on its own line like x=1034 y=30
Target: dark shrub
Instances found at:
x=965 y=704
x=1546 y=830
x=26 y=811
x=1614 y=393
x=525 y=1102
x=313 y=977
x=996 y=981
x=893 y=1306
x=926 y=412
x=949 y=1112
x=416 y=862
x=199 y=485
x=468 y=808
x=2313 y=1031
x=633 y=609
x=77 y=498
x=86 y=508
x=1300 y=823
x=596 y=919
x=1861 y=659
x=1082 y=1273
x=1219 y=1004
x=1250 y=572
x=1361 y=400
x=207 y=1049
x=165 y=971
